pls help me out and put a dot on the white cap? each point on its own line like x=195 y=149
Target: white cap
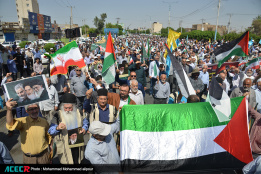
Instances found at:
x=100 y=128
x=98 y=55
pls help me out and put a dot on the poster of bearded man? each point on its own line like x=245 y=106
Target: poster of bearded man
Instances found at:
x=27 y=91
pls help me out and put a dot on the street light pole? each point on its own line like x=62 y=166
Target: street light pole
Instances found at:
x=217 y=20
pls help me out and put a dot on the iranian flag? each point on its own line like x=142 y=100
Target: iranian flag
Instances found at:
x=238 y=47
x=69 y=55
x=158 y=138
x=254 y=64
x=108 y=69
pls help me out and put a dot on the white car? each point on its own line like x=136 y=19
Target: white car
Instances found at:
x=41 y=41
x=7 y=44
x=52 y=41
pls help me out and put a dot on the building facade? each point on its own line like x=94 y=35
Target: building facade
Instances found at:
x=221 y=29
x=156 y=27
x=23 y=7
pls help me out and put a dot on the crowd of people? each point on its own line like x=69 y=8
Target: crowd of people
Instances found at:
x=82 y=99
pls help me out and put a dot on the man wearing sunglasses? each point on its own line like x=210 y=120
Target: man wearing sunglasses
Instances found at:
x=133 y=76
x=33 y=132
x=78 y=88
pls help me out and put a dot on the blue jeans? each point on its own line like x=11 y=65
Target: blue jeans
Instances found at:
x=152 y=83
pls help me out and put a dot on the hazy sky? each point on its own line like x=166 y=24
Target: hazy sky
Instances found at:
x=141 y=13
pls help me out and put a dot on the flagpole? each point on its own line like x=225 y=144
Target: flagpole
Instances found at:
x=217 y=20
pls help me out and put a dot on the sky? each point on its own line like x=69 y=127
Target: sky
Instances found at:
x=142 y=13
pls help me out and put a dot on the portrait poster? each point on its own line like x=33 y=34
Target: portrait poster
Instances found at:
x=27 y=91
x=75 y=138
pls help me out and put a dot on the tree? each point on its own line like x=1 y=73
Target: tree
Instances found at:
x=179 y=30
x=256 y=25
x=92 y=30
x=164 y=32
x=85 y=27
x=99 y=22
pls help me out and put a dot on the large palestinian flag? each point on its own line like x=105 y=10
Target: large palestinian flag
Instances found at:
x=238 y=47
x=157 y=138
x=69 y=55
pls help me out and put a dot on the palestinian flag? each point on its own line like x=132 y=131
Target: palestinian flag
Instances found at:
x=158 y=138
x=184 y=83
x=69 y=55
x=108 y=69
x=254 y=64
x=238 y=47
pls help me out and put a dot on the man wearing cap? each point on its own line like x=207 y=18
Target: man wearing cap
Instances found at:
x=196 y=82
x=100 y=111
x=78 y=88
x=35 y=138
x=162 y=90
x=101 y=148
x=68 y=118
x=188 y=69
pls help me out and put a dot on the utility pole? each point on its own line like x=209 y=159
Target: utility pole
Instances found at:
x=228 y=26
x=169 y=3
x=202 y=29
x=180 y=25
x=118 y=19
x=71 y=19
x=217 y=20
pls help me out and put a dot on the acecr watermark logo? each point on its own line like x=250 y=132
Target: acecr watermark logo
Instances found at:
x=17 y=169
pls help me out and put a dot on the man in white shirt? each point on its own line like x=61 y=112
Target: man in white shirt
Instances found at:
x=135 y=94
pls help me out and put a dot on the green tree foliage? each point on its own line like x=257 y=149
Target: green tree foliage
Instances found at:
x=179 y=30
x=200 y=35
x=48 y=46
x=256 y=25
x=110 y=25
x=22 y=44
x=164 y=32
x=85 y=27
x=99 y=23
x=92 y=30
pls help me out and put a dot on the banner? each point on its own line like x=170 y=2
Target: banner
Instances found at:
x=47 y=24
x=40 y=23
x=33 y=22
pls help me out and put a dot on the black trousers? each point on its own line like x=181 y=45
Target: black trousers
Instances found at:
x=160 y=100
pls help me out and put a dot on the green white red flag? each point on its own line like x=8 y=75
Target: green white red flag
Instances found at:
x=69 y=55
x=254 y=64
x=108 y=69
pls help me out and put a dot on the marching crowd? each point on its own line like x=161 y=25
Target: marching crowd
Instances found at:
x=83 y=100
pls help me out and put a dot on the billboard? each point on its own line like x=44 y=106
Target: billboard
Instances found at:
x=33 y=22
x=47 y=24
x=40 y=23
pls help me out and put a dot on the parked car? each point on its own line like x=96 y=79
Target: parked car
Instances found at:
x=18 y=42
x=41 y=41
x=7 y=44
x=52 y=41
